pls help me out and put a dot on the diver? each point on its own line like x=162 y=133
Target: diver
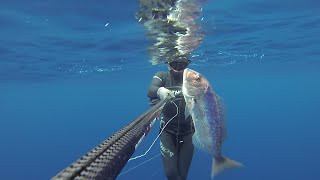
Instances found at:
x=176 y=139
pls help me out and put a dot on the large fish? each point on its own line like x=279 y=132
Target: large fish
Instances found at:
x=206 y=110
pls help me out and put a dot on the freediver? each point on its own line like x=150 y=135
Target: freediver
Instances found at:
x=176 y=138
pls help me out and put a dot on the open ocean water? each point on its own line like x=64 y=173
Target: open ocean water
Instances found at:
x=74 y=72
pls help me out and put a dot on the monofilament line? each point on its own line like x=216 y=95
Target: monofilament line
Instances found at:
x=158 y=134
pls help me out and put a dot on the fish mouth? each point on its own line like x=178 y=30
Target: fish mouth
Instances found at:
x=185 y=74
x=185 y=77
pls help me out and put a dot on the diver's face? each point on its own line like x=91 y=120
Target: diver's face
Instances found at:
x=178 y=66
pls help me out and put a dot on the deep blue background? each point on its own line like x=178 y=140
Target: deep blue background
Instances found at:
x=67 y=82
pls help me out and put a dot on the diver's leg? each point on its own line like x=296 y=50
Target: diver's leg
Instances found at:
x=185 y=155
x=169 y=155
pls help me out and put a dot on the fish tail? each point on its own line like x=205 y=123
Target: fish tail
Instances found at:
x=221 y=165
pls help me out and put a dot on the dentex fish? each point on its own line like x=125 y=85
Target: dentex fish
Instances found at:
x=206 y=110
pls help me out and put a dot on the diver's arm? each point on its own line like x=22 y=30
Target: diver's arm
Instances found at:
x=156 y=83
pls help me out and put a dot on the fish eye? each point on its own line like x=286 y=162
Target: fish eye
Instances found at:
x=198 y=79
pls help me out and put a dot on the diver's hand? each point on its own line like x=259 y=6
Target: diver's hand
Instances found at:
x=164 y=93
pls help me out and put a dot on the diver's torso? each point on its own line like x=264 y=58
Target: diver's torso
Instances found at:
x=178 y=125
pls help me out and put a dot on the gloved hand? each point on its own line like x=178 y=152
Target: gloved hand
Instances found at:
x=164 y=92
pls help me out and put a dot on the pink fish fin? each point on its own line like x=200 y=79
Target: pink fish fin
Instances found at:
x=189 y=107
x=202 y=111
x=219 y=166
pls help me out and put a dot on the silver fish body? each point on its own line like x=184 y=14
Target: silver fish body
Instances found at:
x=207 y=113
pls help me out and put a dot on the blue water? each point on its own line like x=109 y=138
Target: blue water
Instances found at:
x=67 y=82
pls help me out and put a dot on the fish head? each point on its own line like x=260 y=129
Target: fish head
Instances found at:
x=194 y=83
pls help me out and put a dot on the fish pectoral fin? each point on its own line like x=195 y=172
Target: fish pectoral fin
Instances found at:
x=186 y=112
x=219 y=166
x=189 y=107
x=202 y=112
